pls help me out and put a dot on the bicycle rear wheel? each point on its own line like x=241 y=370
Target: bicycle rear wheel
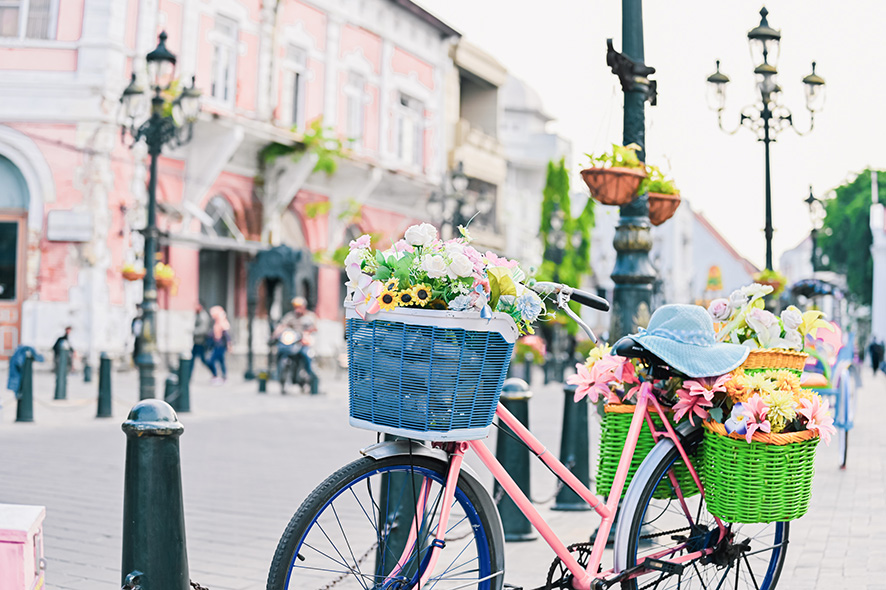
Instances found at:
x=750 y=557
x=353 y=531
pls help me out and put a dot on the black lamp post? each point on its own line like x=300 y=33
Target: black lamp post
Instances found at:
x=816 y=215
x=165 y=120
x=767 y=117
x=453 y=205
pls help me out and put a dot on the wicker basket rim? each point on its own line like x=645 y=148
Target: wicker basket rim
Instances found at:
x=625 y=409
x=768 y=351
x=784 y=438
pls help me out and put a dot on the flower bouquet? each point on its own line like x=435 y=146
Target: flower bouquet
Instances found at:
x=614 y=381
x=758 y=462
x=431 y=329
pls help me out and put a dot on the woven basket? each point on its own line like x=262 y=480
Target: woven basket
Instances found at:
x=766 y=480
x=613 y=186
x=616 y=423
x=427 y=374
x=774 y=358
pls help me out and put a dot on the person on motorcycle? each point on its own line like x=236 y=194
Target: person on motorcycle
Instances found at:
x=304 y=322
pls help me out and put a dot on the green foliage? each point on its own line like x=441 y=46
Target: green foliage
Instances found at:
x=657 y=182
x=317 y=209
x=846 y=235
x=318 y=140
x=576 y=260
x=621 y=156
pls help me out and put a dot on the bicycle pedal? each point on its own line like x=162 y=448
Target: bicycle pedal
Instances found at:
x=666 y=567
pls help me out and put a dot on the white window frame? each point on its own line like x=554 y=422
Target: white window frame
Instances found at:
x=23 y=14
x=356 y=99
x=227 y=94
x=409 y=117
x=295 y=74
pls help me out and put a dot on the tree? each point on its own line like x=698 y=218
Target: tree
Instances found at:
x=846 y=238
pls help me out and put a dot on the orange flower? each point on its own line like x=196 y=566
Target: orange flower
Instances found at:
x=737 y=387
x=787 y=381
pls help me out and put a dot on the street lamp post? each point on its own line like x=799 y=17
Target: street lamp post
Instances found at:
x=165 y=120
x=816 y=215
x=452 y=205
x=767 y=117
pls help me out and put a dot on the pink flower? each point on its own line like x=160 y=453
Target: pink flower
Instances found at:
x=755 y=410
x=483 y=282
x=402 y=246
x=693 y=403
x=496 y=260
x=615 y=369
x=361 y=242
x=707 y=386
x=587 y=385
x=366 y=296
x=818 y=418
x=720 y=310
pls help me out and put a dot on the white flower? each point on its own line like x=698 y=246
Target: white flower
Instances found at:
x=355 y=257
x=765 y=324
x=355 y=275
x=393 y=253
x=421 y=235
x=792 y=318
x=460 y=266
x=737 y=299
x=435 y=266
x=720 y=309
x=756 y=290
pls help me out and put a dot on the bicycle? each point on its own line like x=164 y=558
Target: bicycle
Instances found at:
x=411 y=515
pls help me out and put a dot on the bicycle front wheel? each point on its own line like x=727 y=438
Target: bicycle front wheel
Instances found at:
x=750 y=557
x=371 y=524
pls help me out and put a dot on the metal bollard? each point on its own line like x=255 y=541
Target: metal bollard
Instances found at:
x=528 y=360
x=263 y=382
x=514 y=456
x=171 y=393
x=61 y=373
x=153 y=510
x=185 y=366
x=24 y=411
x=574 y=450
x=87 y=372
x=104 y=387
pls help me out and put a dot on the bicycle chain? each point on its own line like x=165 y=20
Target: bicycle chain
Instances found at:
x=663 y=533
x=197 y=586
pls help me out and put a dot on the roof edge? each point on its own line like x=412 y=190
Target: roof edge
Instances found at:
x=419 y=12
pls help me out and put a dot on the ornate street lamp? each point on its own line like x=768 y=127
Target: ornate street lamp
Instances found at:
x=816 y=215
x=453 y=205
x=161 y=119
x=767 y=117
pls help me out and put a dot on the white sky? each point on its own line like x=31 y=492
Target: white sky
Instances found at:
x=559 y=47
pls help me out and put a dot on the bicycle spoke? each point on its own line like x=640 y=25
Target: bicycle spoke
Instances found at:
x=751 y=571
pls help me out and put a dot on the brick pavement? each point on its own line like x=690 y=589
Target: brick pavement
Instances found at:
x=248 y=461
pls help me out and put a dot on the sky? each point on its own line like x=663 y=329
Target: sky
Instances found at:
x=559 y=48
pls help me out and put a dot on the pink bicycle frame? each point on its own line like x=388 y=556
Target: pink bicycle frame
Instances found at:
x=582 y=576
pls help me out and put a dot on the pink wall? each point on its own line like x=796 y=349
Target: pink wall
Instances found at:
x=38 y=59
x=204 y=55
x=372 y=115
x=314 y=98
x=316 y=228
x=313 y=21
x=70 y=20
x=405 y=63
x=172 y=10
x=247 y=73
x=358 y=40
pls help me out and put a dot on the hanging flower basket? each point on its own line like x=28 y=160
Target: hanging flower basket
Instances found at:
x=662 y=207
x=133 y=274
x=613 y=186
x=165 y=282
x=616 y=422
x=766 y=480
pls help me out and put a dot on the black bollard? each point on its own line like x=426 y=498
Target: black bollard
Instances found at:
x=24 y=411
x=528 y=360
x=104 y=387
x=185 y=365
x=574 y=450
x=61 y=373
x=263 y=382
x=153 y=510
x=514 y=456
x=170 y=392
x=87 y=372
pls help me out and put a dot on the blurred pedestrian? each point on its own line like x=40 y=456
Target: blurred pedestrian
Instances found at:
x=221 y=341
x=203 y=325
x=136 y=329
x=875 y=349
x=63 y=343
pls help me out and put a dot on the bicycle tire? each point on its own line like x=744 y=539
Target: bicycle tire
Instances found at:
x=845 y=415
x=474 y=547
x=657 y=526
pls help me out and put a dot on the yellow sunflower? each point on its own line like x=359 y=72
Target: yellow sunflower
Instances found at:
x=392 y=284
x=421 y=294
x=405 y=298
x=388 y=299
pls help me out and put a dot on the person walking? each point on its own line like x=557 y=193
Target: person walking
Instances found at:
x=203 y=326
x=221 y=341
x=876 y=352
x=63 y=342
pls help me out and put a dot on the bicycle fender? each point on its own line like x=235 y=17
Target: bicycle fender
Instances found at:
x=632 y=496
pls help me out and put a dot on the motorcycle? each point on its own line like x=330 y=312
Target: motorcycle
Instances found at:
x=290 y=361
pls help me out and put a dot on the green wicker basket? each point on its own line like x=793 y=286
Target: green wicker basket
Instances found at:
x=759 y=481
x=616 y=423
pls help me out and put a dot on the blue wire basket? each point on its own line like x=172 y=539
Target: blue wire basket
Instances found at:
x=427 y=374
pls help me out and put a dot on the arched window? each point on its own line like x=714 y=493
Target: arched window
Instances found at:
x=13 y=189
x=224 y=225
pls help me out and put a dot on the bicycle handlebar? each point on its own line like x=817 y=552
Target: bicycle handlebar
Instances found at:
x=582 y=297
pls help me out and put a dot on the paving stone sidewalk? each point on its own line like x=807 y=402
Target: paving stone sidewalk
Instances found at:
x=248 y=460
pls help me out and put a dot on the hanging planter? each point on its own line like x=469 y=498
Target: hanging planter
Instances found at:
x=132 y=274
x=164 y=275
x=662 y=207
x=613 y=186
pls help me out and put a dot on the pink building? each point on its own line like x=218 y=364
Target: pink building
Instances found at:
x=73 y=194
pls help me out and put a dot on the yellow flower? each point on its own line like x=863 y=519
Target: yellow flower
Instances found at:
x=787 y=381
x=406 y=298
x=392 y=284
x=759 y=383
x=388 y=299
x=421 y=294
x=597 y=353
x=782 y=409
x=804 y=393
x=812 y=321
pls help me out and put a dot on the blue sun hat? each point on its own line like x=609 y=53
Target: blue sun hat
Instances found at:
x=683 y=337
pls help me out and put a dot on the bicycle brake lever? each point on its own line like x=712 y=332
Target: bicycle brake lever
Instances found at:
x=563 y=303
